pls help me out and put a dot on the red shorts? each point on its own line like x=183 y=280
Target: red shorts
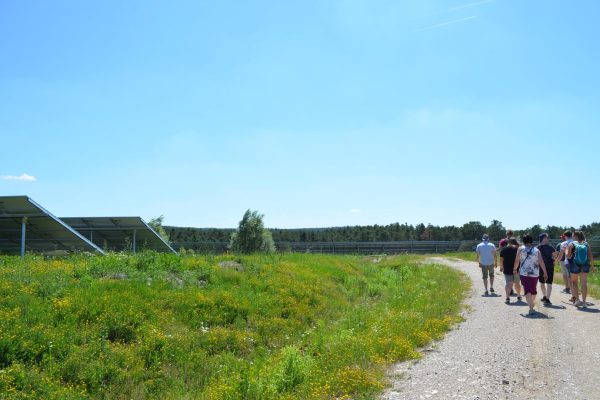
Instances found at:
x=529 y=284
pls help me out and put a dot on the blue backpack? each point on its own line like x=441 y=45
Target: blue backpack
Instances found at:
x=580 y=253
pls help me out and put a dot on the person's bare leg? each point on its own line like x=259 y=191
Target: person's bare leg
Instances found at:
x=518 y=288
x=583 y=287
x=548 y=290
x=543 y=287
x=492 y=280
x=485 y=284
x=507 y=289
x=566 y=277
x=575 y=287
x=530 y=300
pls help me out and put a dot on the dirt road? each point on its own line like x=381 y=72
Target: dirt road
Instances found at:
x=500 y=353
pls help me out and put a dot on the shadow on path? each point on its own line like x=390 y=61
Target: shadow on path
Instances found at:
x=555 y=307
x=589 y=310
x=537 y=315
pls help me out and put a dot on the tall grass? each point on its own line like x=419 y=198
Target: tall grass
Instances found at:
x=291 y=326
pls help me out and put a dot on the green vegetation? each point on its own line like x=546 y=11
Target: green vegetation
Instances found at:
x=251 y=235
x=157 y=225
x=293 y=326
x=372 y=233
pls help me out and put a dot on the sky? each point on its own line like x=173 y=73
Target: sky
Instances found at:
x=315 y=113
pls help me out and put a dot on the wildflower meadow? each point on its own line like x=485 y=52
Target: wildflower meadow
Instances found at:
x=281 y=326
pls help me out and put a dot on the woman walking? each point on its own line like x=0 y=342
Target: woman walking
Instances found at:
x=528 y=263
x=507 y=262
x=581 y=258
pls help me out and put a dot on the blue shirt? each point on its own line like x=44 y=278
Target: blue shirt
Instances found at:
x=486 y=251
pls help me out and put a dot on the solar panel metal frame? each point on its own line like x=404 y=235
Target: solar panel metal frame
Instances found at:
x=119 y=233
x=44 y=232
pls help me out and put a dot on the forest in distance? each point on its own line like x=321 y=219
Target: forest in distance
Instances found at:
x=378 y=233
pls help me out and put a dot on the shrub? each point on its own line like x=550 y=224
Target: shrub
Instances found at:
x=251 y=235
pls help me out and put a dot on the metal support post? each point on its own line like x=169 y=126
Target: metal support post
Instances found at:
x=134 y=232
x=23 y=229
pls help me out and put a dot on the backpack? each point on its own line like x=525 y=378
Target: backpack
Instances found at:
x=580 y=253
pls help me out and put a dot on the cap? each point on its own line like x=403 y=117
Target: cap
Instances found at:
x=486 y=237
x=543 y=236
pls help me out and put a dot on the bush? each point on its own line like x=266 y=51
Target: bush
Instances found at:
x=251 y=235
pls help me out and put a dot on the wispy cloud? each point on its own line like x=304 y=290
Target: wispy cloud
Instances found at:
x=23 y=178
x=451 y=22
x=355 y=210
x=473 y=4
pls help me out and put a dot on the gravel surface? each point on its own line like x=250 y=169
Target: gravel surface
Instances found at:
x=500 y=353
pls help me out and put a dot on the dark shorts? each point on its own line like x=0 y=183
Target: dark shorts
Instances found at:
x=529 y=283
x=576 y=268
x=550 y=276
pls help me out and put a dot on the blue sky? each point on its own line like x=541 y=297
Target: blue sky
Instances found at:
x=315 y=113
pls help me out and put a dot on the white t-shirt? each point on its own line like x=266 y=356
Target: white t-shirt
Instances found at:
x=529 y=260
x=486 y=252
x=564 y=246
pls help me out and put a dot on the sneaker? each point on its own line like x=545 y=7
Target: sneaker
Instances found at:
x=584 y=305
x=567 y=291
x=507 y=301
x=579 y=303
x=544 y=299
x=531 y=311
x=487 y=293
x=492 y=290
x=548 y=302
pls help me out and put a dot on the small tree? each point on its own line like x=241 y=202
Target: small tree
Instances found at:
x=156 y=224
x=496 y=230
x=251 y=235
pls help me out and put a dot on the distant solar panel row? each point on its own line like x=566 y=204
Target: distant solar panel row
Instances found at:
x=27 y=226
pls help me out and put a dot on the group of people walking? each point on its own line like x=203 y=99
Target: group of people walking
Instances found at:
x=526 y=265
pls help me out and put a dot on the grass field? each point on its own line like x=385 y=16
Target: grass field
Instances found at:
x=294 y=326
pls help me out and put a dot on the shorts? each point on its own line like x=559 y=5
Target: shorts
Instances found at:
x=576 y=268
x=510 y=279
x=529 y=284
x=565 y=268
x=486 y=270
x=550 y=279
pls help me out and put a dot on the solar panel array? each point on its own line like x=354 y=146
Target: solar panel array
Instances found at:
x=119 y=233
x=43 y=232
x=25 y=226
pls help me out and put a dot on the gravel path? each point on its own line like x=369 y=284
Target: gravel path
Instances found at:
x=499 y=353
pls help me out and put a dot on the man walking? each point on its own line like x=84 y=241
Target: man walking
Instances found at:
x=488 y=260
x=548 y=254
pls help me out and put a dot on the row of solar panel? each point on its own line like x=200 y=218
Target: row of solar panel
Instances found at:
x=27 y=226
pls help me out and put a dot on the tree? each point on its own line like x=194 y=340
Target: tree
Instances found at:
x=473 y=230
x=156 y=224
x=496 y=230
x=251 y=235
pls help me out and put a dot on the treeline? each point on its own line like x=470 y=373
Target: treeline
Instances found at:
x=376 y=233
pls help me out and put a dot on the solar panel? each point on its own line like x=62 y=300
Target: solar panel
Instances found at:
x=119 y=233
x=24 y=222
